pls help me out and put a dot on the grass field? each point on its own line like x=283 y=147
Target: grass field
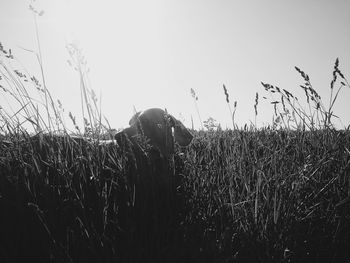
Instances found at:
x=275 y=194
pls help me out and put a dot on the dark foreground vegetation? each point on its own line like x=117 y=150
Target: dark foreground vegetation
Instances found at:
x=241 y=196
x=276 y=194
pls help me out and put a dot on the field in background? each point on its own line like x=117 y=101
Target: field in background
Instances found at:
x=276 y=194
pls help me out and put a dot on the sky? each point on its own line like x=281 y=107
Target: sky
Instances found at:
x=144 y=54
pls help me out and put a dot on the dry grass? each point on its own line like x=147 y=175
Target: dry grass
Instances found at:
x=278 y=194
x=282 y=194
x=291 y=113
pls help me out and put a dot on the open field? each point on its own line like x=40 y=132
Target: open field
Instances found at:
x=280 y=193
x=261 y=196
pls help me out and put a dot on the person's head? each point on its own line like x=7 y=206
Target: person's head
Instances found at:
x=157 y=126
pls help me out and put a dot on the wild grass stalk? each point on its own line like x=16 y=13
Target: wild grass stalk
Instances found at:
x=256 y=107
x=232 y=113
x=15 y=85
x=318 y=115
x=195 y=99
x=281 y=193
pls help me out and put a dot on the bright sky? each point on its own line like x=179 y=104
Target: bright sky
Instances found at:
x=151 y=53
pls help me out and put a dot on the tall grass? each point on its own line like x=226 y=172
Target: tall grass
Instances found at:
x=276 y=194
x=82 y=201
x=26 y=98
x=282 y=194
x=292 y=113
x=232 y=113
